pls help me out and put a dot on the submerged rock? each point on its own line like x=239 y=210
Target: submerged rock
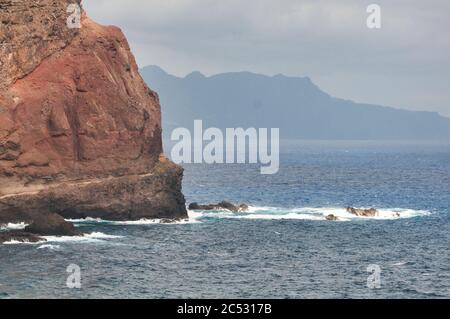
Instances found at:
x=220 y=206
x=20 y=237
x=171 y=221
x=331 y=217
x=80 y=131
x=372 y=212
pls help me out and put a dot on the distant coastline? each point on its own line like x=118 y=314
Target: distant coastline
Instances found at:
x=295 y=105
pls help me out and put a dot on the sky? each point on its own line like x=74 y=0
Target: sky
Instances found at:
x=405 y=63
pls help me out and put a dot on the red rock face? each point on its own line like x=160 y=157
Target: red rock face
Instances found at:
x=77 y=110
x=30 y=31
x=83 y=111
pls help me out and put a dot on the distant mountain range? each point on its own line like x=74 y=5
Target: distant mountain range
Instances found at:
x=295 y=105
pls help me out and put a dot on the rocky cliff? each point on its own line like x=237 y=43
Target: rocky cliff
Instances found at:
x=80 y=131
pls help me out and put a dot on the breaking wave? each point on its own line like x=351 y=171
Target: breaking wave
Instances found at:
x=95 y=237
x=265 y=212
x=12 y=226
x=15 y=242
x=306 y=213
x=93 y=221
x=92 y=237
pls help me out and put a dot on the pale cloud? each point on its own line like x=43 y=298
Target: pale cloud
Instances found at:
x=406 y=63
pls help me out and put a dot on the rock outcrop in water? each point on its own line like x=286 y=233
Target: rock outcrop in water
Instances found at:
x=20 y=237
x=220 y=206
x=372 y=212
x=80 y=131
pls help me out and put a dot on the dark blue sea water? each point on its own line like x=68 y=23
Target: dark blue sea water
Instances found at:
x=282 y=248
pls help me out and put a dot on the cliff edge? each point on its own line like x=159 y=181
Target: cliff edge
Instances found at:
x=80 y=131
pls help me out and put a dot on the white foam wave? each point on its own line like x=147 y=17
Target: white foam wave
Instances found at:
x=94 y=237
x=269 y=213
x=16 y=242
x=131 y=222
x=13 y=226
x=306 y=213
x=155 y=221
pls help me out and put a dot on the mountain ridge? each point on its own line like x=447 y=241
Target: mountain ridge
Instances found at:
x=315 y=113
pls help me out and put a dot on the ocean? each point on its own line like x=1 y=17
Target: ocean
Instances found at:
x=283 y=247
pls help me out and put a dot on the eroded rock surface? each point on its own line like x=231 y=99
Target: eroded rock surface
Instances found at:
x=31 y=31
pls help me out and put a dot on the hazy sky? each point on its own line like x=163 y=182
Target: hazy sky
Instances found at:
x=405 y=64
